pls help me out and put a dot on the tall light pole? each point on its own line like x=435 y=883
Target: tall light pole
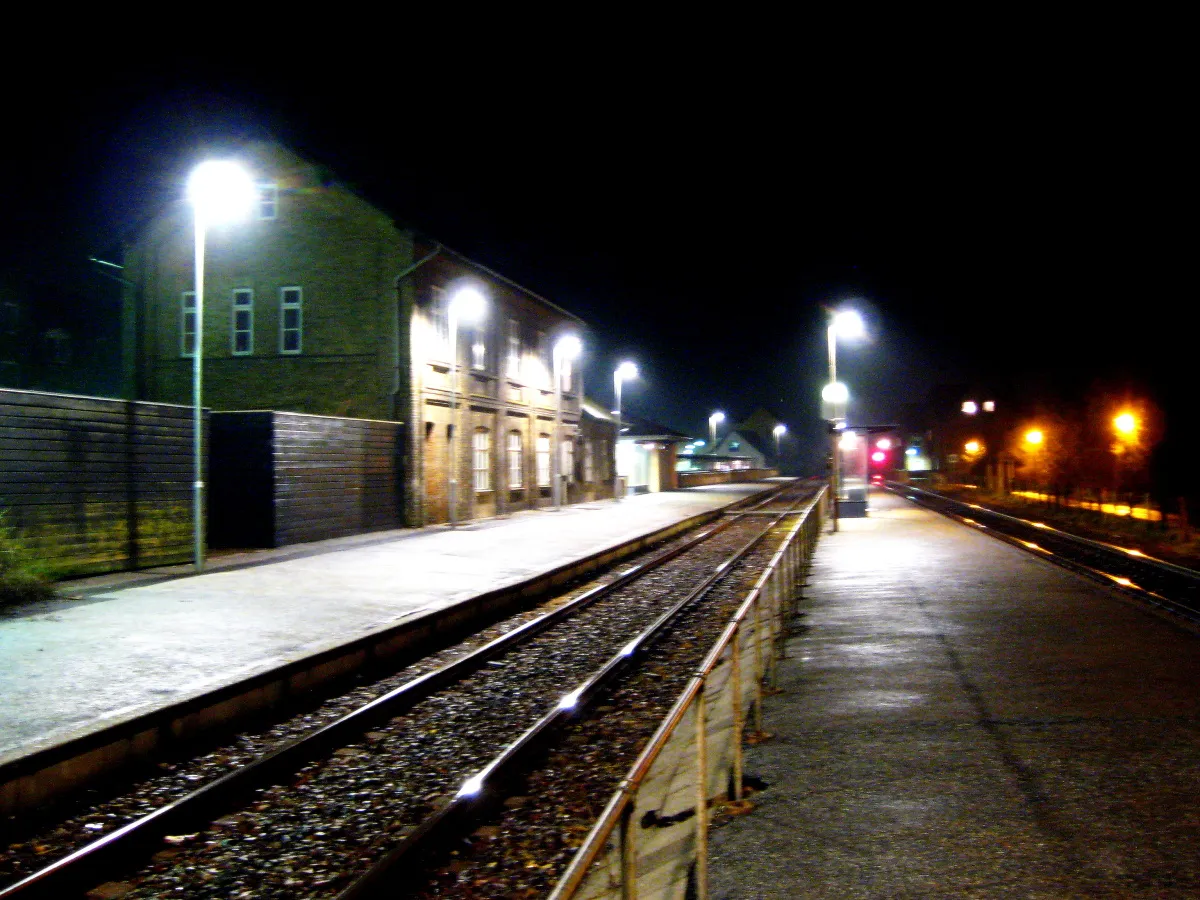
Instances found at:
x=626 y=371
x=219 y=191
x=466 y=303
x=779 y=431
x=847 y=324
x=712 y=430
x=567 y=348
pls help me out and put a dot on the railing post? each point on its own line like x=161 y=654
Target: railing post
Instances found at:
x=739 y=713
x=629 y=831
x=758 y=665
x=702 y=792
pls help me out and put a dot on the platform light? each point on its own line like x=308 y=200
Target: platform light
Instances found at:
x=1034 y=437
x=970 y=407
x=219 y=190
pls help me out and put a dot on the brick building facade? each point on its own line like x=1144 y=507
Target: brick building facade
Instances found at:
x=321 y=303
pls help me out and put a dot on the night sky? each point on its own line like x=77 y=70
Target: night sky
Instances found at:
x=1010 y=214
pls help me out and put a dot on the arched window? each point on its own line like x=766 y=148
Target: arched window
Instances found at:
x=482 y=459
x=516 y=461
x=567 y=459
x=543 y=460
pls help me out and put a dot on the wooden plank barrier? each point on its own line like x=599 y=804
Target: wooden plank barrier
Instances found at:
x=95 y=485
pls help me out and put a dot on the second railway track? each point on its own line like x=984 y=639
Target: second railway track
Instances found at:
x=1161 y=584
x=307 y=820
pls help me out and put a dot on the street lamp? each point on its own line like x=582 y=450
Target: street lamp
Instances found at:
x=713 y=420
x=626 y=371
x=467 y=303
x=219 y=191
x=779 y=431
x=846 y=324
x=567 y=349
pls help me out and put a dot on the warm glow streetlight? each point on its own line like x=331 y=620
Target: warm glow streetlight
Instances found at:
x=972 y=447
x=567 y=349
x=713 y=420
x=844 y=324
x=1126 y=424
x=1034 y=437
x=219 y=191
x=467 y=304
x=626 y=371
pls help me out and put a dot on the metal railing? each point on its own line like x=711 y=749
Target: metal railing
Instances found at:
x=651 y=840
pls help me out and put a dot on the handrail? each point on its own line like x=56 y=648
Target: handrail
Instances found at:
x=776 y=588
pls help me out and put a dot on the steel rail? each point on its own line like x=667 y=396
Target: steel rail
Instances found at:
x=456 y=817
x=1125 y=562
x=89 y=865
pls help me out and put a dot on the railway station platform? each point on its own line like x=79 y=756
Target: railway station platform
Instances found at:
x=131 y=643
x=959 y=718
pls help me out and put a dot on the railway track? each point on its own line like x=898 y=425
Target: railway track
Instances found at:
x=332 y=813
x=1161 y=584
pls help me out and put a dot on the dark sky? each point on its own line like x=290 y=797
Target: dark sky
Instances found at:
x=1016 y=211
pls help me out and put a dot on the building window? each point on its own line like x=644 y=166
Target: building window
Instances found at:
x=543 y=460
x=565 y=373
x=568 y=459
x=516 y=461
x=482 y=459
x=243 y=322
x=589 y=471
x=545 y=379
x=514 y=349
x=291 y=320
x=479 y=348
x=187 y=324
x=268 y=201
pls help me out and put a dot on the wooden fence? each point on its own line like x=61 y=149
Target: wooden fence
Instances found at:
x=94 y=485
x=280 y=478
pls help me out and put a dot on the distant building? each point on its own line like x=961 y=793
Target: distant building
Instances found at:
x=323 y=304
x=646 y=455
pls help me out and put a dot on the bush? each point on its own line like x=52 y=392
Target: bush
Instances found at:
x=22 y=580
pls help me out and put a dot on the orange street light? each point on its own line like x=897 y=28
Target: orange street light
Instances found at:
x=1034 y=437
x=973 y=447
x=1126 y=424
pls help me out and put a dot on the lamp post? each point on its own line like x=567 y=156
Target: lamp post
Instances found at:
x=566 y=349
x=466 y=303
x=847 y=324
x=779 y=431
x=219 y=191
x=713 y=420
x=625 y=372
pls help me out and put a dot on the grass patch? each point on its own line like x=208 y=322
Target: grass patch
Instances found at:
x=22 y=578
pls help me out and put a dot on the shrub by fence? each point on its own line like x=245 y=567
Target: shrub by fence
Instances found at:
x=94 y=485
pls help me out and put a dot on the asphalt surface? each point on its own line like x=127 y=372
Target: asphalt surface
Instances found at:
x=133 y=642
x=962 y=719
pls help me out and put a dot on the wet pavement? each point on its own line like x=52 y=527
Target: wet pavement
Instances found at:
x=133 y=642
x=962 y=719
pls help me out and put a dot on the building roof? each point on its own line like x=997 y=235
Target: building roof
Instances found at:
x=639 y=429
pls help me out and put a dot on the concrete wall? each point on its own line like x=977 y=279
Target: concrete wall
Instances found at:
x=698 y=479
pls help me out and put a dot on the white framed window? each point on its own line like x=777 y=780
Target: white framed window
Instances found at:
x=291 y=320
x=516 y=461
x=565 y=373
x=589 y=467
x=543 y=460
x=242 y=332
x=187 y=324
x=479 y=347
x=567 y=459
x=482 y=459
x=439 y=324
x=544 y=363
x=268 y=201
x=513 y=367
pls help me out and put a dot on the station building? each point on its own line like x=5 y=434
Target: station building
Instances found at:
x=323 y=304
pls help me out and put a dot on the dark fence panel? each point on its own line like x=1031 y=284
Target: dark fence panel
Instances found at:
x=284 y=478
x=95 y=485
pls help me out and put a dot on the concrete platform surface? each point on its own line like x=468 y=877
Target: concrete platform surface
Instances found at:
x=962 y=719
x=138 y=641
